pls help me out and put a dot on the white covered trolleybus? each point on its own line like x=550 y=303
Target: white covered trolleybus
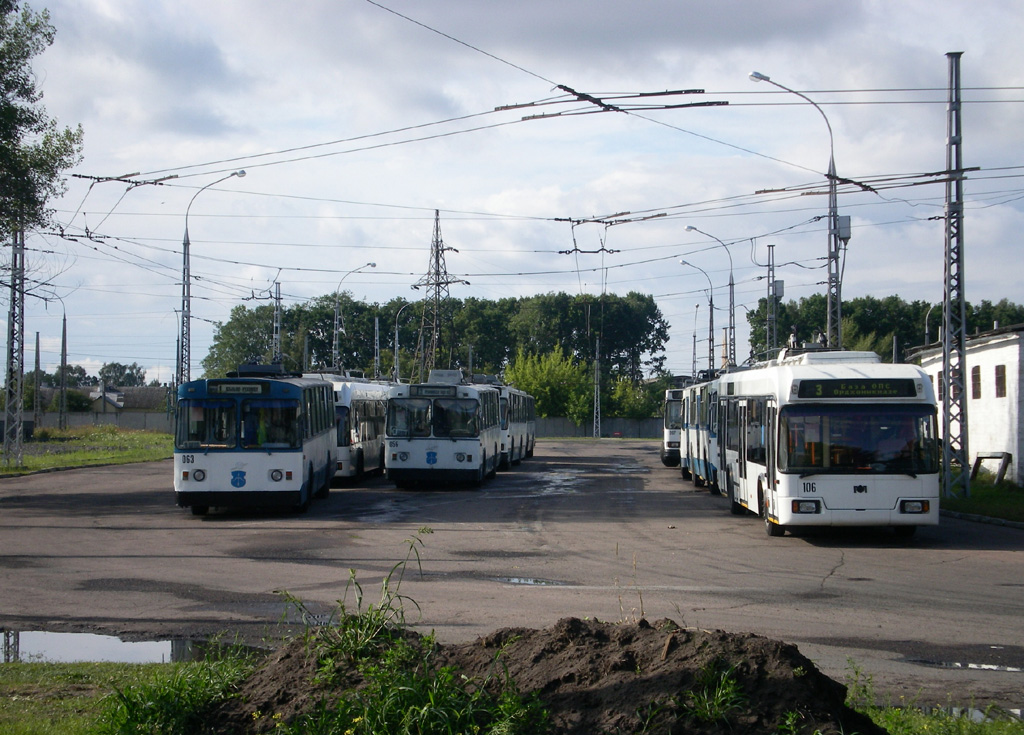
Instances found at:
x=828 y=438
x=359 y=408
x=444 y=431
x=258 y=437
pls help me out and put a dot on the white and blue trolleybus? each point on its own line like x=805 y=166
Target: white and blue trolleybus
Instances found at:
x=258 y=437
x=444 y=431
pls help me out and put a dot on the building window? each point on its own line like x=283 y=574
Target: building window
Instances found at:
x=1000 y=381
x=975 y=382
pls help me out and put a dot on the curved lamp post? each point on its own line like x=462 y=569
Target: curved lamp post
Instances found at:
x=834 y=326
x=185 y=348
x=711 y=314
x=397 y=369
x=335 y=349
x=730 y=346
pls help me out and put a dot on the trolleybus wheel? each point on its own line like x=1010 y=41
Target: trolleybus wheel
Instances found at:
x=773 y=529
x=200 y=510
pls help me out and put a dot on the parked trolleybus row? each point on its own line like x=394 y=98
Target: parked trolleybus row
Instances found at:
x=264 y=437
x=814 y=438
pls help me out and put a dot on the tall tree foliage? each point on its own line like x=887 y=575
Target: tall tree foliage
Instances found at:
x=34 y=150
x=560 y=385
x=886 y=326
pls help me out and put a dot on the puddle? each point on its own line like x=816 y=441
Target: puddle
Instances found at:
x=34 y=646
x=531 y=581
x=970 y=666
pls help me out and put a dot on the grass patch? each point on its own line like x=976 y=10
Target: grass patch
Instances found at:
x=89 y=445
x=61 y=698
x=913 y=719
x=1005 y=500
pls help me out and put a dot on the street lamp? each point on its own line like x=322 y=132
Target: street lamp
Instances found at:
x=835 y=235
x=335 y=349
x=185 y=348
x=711 y=315
x=731 y=334
x=397 y=368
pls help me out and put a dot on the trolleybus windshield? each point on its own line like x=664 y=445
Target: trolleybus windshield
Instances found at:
x=206 y=424
x=865 y=438
x=269 y=423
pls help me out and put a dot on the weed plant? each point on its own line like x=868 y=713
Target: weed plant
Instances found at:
x=401 y=691
x=175 y=699
x=716 y=694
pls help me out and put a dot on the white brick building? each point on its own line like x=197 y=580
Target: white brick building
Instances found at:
x=994 y=395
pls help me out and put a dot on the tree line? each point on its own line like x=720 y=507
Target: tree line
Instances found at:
x=888 y=326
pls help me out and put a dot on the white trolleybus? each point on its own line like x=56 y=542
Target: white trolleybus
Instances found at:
x=518 y=425
x=829 y=438
x=444 y=431
x=673 y=424
x=359 y=409
x=257 y=437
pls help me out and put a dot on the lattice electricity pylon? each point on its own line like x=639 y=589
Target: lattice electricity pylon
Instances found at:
x=15 y=407
x=435 y=315
x=954 y=309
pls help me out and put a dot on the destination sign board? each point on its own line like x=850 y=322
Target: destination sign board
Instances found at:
x=857 y=388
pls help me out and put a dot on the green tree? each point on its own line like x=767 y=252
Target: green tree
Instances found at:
x=631 y=400
x=560 y=386
x=116 y=374
x=34 y=151
x=246 y=337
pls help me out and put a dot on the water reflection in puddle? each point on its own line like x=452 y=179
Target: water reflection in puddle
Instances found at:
x=35 y=646
x=532 y=581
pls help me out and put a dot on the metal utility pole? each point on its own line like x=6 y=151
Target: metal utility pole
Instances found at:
x=771 y=325
x=15 y=407
x=435 y=301
x=954 y=305
x=277 y=356
x=597 y=388
x=62 y=416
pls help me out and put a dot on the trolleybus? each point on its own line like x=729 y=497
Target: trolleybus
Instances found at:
x=257 y=437
x=444 y=431
x=829 y=438
x=518 y=426
x=359 y=409
x=673 y=424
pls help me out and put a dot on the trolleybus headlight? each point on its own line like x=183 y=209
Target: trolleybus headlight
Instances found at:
x=460 y=456
x=276 y=475
x=198 y=475
x=914 y=506
x=403 y=456
x=805 y=506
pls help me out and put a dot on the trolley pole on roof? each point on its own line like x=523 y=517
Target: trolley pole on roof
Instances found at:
x=954 y=305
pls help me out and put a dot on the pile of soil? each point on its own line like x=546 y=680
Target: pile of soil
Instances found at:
x=596 y=677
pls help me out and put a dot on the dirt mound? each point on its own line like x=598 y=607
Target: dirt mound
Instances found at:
x=596 y=677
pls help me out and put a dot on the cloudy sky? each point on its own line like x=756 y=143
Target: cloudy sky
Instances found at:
x=355 y=120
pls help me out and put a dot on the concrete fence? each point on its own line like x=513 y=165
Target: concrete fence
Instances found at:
x=546 y=428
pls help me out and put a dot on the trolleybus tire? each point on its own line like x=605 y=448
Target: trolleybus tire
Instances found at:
x=200 y=510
